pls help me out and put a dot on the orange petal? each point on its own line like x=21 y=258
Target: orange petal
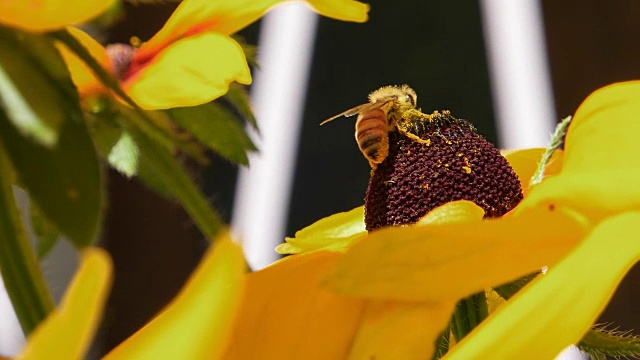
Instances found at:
x=47 y=15
x=333 y=233
x=70 y=328
x=193 y=71
x=397 y=330
x=286 y=314
x=81 y=74
x=229 y=16
x=197 y=323
x=558 y=308
x=451 y=261
x=599 y=176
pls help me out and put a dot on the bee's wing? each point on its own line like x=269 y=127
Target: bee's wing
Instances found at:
x=360 y=108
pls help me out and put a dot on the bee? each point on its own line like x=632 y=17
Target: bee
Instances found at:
x=378 y=117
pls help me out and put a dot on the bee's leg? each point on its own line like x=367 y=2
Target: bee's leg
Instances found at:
x=409 y=119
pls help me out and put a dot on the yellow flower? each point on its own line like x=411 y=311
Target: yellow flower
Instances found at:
x=47 y=15
x=581 y=222
x=195 y=325
x=69 y=329
x=192 y=59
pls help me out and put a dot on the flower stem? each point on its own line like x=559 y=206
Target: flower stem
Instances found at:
x=469 y=313
x=20 y=272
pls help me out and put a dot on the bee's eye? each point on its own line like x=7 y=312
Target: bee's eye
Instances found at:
x=411 y=100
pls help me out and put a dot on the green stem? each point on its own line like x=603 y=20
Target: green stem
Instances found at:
x=442 y=344
x=469 y=313
x=176 y=179
x=20 y=271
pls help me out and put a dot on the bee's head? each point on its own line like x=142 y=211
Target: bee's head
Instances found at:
x=404 y=96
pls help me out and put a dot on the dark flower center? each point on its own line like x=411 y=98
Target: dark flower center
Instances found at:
x=453 y=163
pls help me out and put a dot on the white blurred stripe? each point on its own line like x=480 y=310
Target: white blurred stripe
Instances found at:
x=278 y=94
x=520 y=77
x=11 y=337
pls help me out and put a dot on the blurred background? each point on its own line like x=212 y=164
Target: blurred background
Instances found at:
x=512 y=68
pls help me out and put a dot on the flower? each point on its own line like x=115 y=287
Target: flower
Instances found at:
x=192 y=59
x=69 y=329
x=581 y=222
x=47 y=15
x=195 y=325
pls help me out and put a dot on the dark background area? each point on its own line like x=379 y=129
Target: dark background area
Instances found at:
x=434 y=46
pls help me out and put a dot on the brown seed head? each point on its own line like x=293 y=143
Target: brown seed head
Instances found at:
x=453 y=163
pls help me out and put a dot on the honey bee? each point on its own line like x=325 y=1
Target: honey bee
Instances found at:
x=378 y=117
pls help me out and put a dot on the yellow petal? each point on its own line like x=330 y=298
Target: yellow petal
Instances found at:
x=229 y=16
x=600 y=173
x=451 y=261
x=525 y=162
x=193 y=71
x=558 y=308
x=333 y=233
x=346 y=10
x=70 y=328
x=396 y=330
x=453 y=212
x=46 y=15
x=286 y=314
x=81 y=74
x=197 y=323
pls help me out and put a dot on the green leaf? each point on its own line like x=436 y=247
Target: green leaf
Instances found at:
x=65 y=181
x=216 y=128
x=45 y=230
x=124 y=155
x=600 y=343
x=238 y=98
x=161 y=170
x=506 y=291
x=21 y=274
x=36 y=91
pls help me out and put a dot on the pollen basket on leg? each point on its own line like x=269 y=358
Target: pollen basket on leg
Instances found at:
x=458 y=164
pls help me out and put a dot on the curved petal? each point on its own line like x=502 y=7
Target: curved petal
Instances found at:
x=451 y=261
x=70 y=328
x=345 y=10
x=525 y=162
x=397 y=330
x=599 y=176
x=459 y=211
x=47 y=15
x=333 y=233
x=81 y=74
x=197 y=323
x=572 y=293
x=193 y=71
x=229 y=16
x=286 y=314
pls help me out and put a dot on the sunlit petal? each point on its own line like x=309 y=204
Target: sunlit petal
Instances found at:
x=229 y=16
x=70 y=328
x=525 y=162
x=197 y=323
x=334 y=233
x=45 y=15
x=81 y=74
x=193 y=71
x=454 y=260
x=600 y=174
x=286 y=314
x=397 y=330
x=346 y=10
x=453 y=212
x=557 y=309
